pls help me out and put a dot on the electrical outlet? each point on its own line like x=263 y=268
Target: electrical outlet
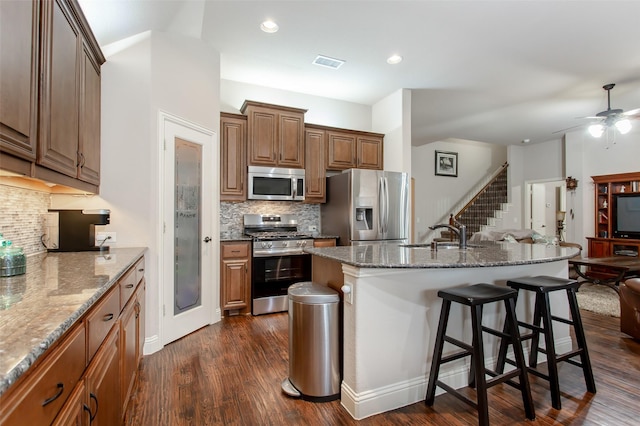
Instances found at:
x=313 y=228
x=110 y=238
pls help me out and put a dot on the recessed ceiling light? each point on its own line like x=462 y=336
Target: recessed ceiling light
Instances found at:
x=526 y=140
x=394 y=59
x=269 y=26
x=328 y=62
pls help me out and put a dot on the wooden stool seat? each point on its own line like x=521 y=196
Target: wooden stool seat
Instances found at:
x=476 y=296
x=542 y=286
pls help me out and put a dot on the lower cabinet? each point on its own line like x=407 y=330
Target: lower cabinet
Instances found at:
x=75 y=412
x=87 y=378
x=235 y=280
x=324 y=242
x=102 y=380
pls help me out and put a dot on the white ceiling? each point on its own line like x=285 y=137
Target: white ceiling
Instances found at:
x=491 y=71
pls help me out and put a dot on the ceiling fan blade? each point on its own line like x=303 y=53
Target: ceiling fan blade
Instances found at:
x=632 y=113
x=568 y=128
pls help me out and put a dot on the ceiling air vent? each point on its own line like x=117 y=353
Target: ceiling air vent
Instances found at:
x=328 y=62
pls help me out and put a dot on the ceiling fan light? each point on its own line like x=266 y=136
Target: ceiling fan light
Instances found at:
x=596 y=130
x=623 y=126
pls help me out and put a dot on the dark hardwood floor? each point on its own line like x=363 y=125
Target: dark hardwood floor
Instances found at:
x=230 y=374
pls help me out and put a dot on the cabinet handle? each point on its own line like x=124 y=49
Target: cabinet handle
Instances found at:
x=128 y=286
x=48 y=401
x=235 y=251
x=107 y=317
x=137 y=309
x=86 y=408
x=141 y=270
x=95 y=398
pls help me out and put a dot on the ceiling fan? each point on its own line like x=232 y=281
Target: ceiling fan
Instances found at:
x=616 y=118
x=612 y=117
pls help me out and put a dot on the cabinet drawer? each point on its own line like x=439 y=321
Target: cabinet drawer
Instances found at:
x=39 y=399
x=235 y=250
x=139 y=270
x=101 y=319
x=127 y=286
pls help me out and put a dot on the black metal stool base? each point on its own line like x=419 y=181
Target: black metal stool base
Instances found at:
x=476 y=296
x=542 y=286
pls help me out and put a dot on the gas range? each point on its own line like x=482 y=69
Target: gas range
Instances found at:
x=278 y=259
x=275 y=234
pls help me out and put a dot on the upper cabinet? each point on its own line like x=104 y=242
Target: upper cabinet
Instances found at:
x=70 y=95
x=315 y=172
x=19 y=50
x=275 y=135
x=233 y=157
x=348 y=149
x=51 y=114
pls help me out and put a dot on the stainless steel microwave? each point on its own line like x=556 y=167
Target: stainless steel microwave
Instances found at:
x=272 y=183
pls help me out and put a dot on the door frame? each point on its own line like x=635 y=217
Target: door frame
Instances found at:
x=215 y=314
x=527 y=200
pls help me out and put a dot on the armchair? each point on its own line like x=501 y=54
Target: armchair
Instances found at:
x=630 y=307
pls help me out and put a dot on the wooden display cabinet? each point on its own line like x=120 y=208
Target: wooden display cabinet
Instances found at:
x=604 y=243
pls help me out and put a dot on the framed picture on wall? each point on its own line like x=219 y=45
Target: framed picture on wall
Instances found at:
x=446 y=163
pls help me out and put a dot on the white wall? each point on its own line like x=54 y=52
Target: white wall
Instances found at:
x=392 y=116
x=436 y=195
x=587 y=156
x=159 y=71
x=322 y=111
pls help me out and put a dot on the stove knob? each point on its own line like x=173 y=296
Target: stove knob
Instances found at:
x=304 y=243
x=264 y=244
x=299 y=243
x=269 y=244
x=285 y=243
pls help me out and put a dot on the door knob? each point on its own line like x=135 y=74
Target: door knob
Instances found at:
x=206 y=239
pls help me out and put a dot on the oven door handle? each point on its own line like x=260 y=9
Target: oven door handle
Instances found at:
x=291 y=252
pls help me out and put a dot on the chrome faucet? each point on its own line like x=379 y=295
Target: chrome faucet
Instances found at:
x=459 y=229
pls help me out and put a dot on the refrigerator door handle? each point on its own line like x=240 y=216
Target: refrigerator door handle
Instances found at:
x=380 y=206
x=386 y=205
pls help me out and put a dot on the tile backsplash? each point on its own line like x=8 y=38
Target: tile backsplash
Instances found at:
x=22 y=217
x=231 y=213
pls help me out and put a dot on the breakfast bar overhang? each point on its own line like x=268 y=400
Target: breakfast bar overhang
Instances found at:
x=391 y=311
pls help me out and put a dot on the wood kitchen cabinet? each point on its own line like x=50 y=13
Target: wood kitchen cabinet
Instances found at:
x=235 y=280
x=44 y=392
x=50 y=85
x=315 y=172
x=19 y=63
x=102 y=381
x=69 y=95
x=233 y=157
x=324 y=242
x=275 y=135
x=89 y=376
x=348 y=149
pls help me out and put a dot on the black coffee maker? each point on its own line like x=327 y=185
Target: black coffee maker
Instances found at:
x=76 y=229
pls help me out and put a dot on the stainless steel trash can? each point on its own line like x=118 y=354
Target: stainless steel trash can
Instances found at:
x=314 y=363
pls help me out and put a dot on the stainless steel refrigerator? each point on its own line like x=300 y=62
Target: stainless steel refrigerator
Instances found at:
x=365 y=206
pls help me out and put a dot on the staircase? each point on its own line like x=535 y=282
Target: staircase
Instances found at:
x=476 y=215
x=484 y=206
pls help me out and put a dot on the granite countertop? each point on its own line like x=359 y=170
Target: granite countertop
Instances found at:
x=40 y=306
x=486 y=255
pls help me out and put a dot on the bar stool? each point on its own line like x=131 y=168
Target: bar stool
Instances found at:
x=542 y=286
x=476 y=296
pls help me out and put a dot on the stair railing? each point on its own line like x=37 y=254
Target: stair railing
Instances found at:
x=468 y=199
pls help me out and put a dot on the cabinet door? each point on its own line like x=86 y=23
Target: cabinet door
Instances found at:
x=324 y=242
x=140 y=334
x=291 y=140
x=103 y=382
x=341 y=151
x=262 y=137
x=89 y=132
x=235 y=280
x=19 y=49
x=314 y=166
x=369 y=153
x=58 y=140
x=76 y=411
x=599 y=248
x=233 y=160
x=128 y=350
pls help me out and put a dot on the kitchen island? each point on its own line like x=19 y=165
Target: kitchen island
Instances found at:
x=391 y=311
